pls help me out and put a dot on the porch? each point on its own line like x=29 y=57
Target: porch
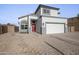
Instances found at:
x=29 y=25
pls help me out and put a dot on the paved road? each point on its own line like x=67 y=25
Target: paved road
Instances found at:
x=36 y=44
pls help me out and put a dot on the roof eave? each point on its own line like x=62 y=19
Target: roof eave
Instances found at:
x=46 y=7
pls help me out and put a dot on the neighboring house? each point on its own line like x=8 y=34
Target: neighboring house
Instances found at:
x=44 y=20
x=8 y=28
x=73 y=24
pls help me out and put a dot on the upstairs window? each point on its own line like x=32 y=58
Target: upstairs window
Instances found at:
x=46 y=11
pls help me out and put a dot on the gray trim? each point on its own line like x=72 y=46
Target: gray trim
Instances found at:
x=55 y=23
x=54 y=17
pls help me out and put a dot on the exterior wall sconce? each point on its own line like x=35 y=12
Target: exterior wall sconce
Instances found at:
x=58 y=12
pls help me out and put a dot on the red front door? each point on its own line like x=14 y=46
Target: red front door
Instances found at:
x=33 y=28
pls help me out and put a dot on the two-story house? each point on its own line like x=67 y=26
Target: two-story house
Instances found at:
x=44 y=20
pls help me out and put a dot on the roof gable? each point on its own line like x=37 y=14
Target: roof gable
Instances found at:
x=44 y=6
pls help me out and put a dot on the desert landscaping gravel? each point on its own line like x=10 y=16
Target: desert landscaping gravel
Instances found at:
x=37 y=44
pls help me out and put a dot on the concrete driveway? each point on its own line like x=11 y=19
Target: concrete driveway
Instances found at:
x=36 y=44
x=68 y=43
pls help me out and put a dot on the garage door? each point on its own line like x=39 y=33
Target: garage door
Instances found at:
x=54 y=28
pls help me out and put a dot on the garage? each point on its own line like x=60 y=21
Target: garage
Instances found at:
x=52 y=28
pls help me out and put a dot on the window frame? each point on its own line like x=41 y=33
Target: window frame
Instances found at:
x=24 y=26
x=46 y=11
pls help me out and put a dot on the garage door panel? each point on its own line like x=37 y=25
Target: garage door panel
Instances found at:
x=54 y=28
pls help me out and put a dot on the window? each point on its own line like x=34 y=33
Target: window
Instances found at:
x=24 y=26
x=46 y=11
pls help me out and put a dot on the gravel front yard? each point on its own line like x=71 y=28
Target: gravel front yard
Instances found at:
x=36 y=44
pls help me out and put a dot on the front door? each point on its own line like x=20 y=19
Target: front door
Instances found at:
x=33 y=26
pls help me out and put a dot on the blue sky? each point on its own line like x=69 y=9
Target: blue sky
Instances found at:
x=9 y=13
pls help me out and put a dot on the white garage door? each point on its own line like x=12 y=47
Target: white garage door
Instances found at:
x=54 y=28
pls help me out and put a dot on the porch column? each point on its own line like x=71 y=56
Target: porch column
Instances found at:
x=19 y=22
x=29 y=24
